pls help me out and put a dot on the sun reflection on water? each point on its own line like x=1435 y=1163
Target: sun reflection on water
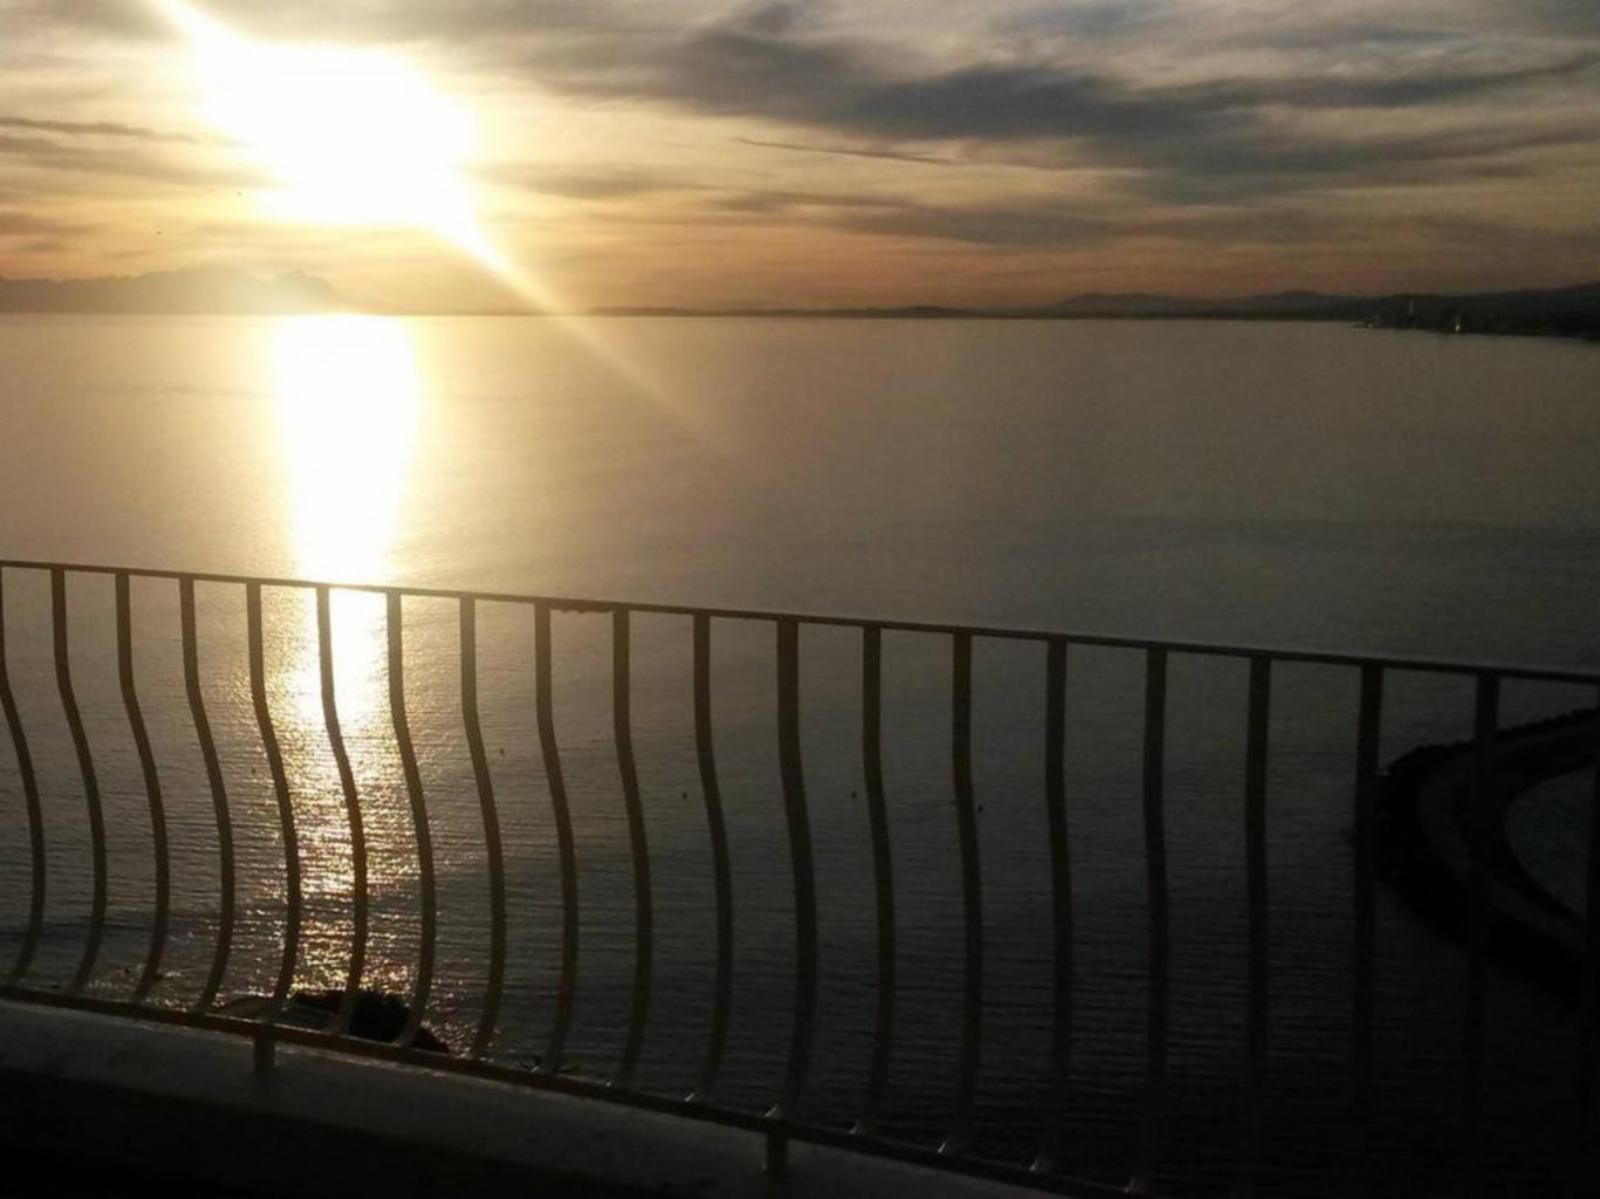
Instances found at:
x=347 y=394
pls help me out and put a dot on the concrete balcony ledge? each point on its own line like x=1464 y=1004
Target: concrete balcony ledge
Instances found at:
x=110 y=1096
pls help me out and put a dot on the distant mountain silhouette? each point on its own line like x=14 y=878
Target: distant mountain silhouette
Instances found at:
x=1558 y=312
x=1286 y=303
x=1562 y=311
x=202 y=289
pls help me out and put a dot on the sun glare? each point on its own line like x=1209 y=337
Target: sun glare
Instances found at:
x=348 y=136
x=354 y=137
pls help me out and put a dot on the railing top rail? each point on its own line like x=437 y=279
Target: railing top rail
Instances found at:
x=1309 y=657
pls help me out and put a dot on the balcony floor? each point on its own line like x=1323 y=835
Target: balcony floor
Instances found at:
x=110 y=1107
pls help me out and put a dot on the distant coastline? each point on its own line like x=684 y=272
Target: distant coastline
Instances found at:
x=1568 y=312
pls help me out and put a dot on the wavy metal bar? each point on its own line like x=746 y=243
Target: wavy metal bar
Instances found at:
x=1055 y=799
x=30 y=795
x=882 y=872
x=280 y=787
x=721 y=869
x=352 y=810
x=152 y=788
x=1155 y=856
x=1480 y=833
x=91 y=784
x=491 y=829
x=643 y=945
x=1369 y=737
x=550 y=751
x=219 y=793
x=805 y=891
x=419 y=821
x=1255 y=826
x=1587 y=1142
x=959 y=1139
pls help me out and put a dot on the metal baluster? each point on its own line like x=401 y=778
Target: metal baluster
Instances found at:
x=882 y=870
x=280 y=786
x=550 y=751
x=1055 y=793
x=419 y=821
x=1155 y=851
x=1588 y=1129
x=722 y=1000
x=352 y=809
x=152 y=787
x=959 y=1139
x=219 y=794
x=643 y=945
x=91 y=784
x=805 y=896
x=1255 y=823
x=30 y=795
x=491 y=828
x=1368 y=742
x=1480 y=822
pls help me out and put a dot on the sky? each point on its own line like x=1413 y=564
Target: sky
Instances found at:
x=704 y=153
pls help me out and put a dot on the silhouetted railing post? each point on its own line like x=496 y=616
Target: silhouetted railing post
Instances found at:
x=1369 y=736
x=1155 y=858
x=30 y=792
x=352 y=810
x=219 y=794
x=493 y=852
x=291 y=844
x=882 y=870
x=721 y=867
x=643 y=927
x=1480 y=824
x=86 y=771
x=152 y=786
x=1255 y=820
x=959 y=1139
x=423 y=986
x=805 y=897
x=550 y=753
x=1055 y=793
x=1585 y=1169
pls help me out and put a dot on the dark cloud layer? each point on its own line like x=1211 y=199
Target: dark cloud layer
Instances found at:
x=1201 y=139
x=778 y=62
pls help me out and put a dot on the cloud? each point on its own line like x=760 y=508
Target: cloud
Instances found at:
x=849 y=151
x=52 y=155
x=1260 y=126
x=1001 y=226
x=1086 y=19
x=23 y=223
x=761 y=63
x=554 y=179
x=114 y=129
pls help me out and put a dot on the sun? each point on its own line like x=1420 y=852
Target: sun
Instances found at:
x=348 y=136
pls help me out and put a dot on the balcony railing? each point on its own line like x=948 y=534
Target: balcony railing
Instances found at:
x=962 y=1147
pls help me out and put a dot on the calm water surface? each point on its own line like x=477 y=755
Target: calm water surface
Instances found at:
x=1309 y=486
